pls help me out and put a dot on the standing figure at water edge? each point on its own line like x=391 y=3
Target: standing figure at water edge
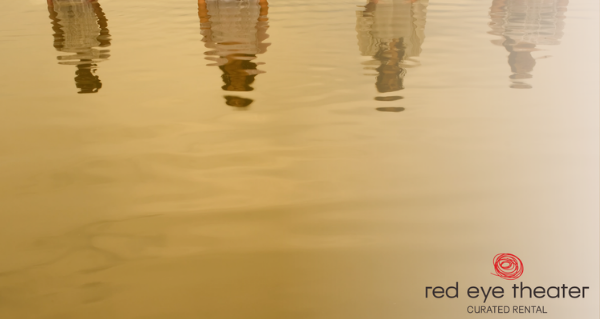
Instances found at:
x=234 y=31
x=522 y=26
x=80 y=28
x=391 y=32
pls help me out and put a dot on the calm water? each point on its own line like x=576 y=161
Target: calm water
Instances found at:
x=293 y=159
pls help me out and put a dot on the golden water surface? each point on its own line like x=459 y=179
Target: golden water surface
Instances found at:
x=284 y=159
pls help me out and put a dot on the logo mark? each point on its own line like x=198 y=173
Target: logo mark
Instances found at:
x=507 y=266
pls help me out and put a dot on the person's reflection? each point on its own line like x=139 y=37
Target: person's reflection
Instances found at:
x=392 y=32
x=522 y=25
x=234 y=31
x=80 y=28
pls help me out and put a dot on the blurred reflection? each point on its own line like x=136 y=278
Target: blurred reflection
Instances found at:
x=80 y=28
x=524 y=24
x=390 y=109
x=391 y=31
x=233 y=30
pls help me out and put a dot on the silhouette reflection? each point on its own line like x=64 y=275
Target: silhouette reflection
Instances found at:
x=392 y=32
x=524 y=24
x=234 y=31
x=80 y=28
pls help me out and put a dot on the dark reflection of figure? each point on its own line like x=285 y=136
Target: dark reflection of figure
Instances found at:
x=391 y=31
x=524 y=24
x=80 y=28
x=233 y=30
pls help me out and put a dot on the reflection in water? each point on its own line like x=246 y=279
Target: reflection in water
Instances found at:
x=80 y=27
x=391 y=31
x=524 y=24
x=233 y=30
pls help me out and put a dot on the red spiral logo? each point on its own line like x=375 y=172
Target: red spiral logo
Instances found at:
x=508 y=266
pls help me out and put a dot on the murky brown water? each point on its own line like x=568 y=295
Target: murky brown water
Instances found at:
x=294 y=159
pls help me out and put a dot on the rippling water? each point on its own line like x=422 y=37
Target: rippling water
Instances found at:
x=293 y=159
